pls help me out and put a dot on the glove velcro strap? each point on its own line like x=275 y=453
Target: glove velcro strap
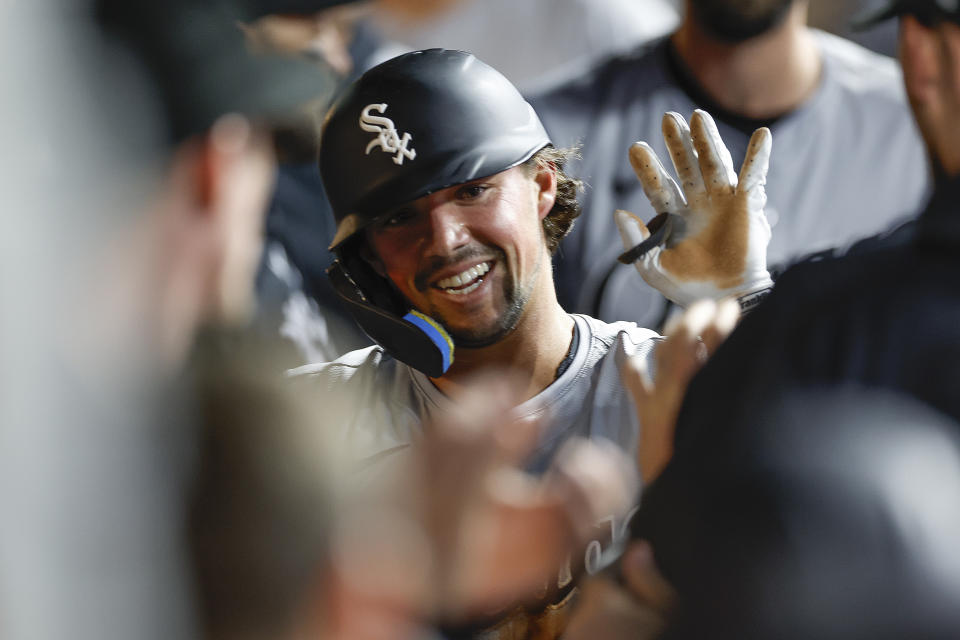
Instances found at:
x=658 y=228
x=750 y=301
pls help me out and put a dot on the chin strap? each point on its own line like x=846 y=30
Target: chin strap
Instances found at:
x=408 y=335
x=659 y=226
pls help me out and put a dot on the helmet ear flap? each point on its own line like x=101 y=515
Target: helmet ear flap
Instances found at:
x=377 y=289
x=387 y=318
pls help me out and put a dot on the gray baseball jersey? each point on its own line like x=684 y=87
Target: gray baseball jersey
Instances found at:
x=846 y=164
x=377 y=405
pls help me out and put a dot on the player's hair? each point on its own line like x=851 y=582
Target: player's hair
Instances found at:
x=566 y=208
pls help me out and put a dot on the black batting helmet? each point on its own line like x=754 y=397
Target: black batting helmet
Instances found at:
x=417 y=123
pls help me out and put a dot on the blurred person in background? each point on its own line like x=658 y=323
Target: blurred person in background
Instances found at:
x=526 y=39
x=295 y=302
x=55 y=487
x=749 y=64
x=204 y=229
x=146 y=198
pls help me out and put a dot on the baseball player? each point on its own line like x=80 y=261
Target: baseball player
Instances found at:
x=450 y=201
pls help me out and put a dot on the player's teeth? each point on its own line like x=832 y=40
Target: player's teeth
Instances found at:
x=460 y=292
x=465 y=276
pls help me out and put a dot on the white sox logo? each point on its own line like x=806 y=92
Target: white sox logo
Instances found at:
x=387 y=137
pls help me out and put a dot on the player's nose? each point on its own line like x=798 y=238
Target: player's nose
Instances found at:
x=447 y=229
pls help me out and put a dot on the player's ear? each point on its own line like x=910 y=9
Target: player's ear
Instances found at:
x=546 y=181
x=919 y=57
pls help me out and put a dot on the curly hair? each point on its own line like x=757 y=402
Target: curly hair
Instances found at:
x=566 y=208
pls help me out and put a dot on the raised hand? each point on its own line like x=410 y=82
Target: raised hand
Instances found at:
x=711 y=235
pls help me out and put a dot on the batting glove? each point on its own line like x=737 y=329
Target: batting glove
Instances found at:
x=709 y=238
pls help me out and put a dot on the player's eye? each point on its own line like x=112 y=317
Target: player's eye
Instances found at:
x=397 y=218
x=471 y=191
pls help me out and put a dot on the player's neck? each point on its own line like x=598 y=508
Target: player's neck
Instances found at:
x=761 y=78
x=532 y=352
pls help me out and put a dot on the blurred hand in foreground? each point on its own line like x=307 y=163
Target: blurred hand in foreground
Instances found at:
x=689 y=340
x=637 y=609
x=460 y=532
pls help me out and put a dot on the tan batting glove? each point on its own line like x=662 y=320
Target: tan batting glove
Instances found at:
x=710 y=238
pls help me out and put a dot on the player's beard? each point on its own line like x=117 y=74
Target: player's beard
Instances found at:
x=507 y=322
x=516 y=295
x=739 y=20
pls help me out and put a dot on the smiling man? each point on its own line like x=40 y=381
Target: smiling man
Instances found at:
x=464 y=256
x=450 y=201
